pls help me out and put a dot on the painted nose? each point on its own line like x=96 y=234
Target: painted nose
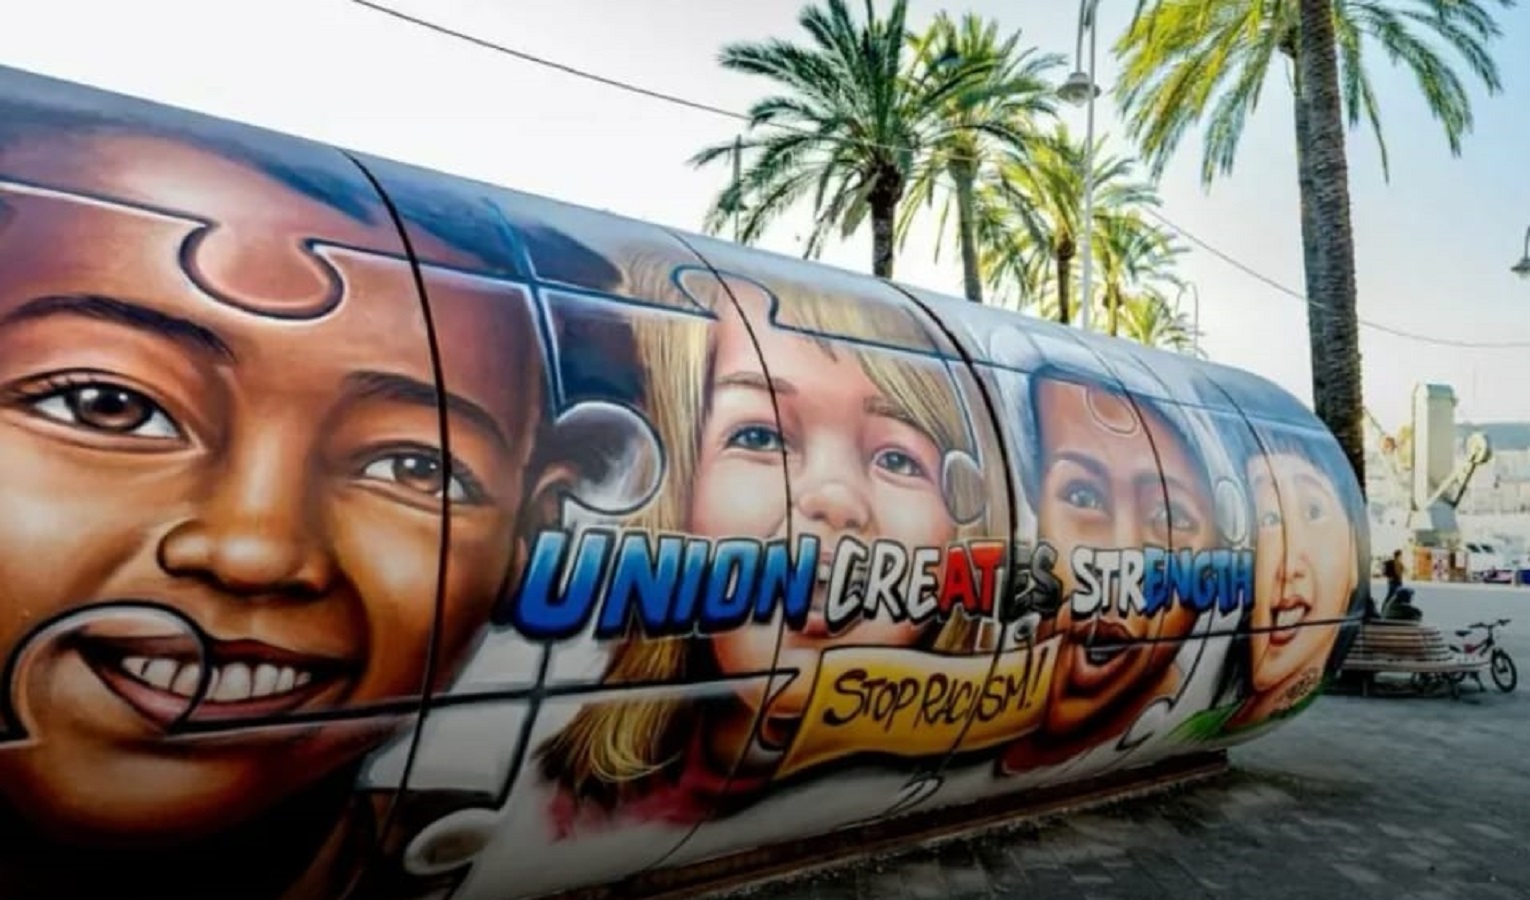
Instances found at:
x=1130 y=526
x=257 y=531
x=837 y=505
x=1293 y=562
x=830 y=490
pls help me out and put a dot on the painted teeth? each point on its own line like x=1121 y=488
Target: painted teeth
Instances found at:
x=1285 y=618
x=230 y=683
x=857 y=571
x=1100 y=657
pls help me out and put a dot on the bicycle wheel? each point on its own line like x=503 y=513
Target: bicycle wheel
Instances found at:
x=1504 y=673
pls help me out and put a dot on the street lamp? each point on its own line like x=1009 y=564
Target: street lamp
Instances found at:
x=1195 y=327
x=1080 y=89
x=1522 y=268
x=738 y=189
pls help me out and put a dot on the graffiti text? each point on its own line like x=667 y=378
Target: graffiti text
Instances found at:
x=1143 y=581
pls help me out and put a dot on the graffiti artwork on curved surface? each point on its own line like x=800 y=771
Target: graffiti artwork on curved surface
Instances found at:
x=453 y=542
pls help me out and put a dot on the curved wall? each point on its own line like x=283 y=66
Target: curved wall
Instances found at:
x=443 y=540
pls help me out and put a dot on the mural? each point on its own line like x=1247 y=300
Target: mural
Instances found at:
x=447 y=541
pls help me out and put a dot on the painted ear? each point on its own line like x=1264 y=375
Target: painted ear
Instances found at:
x=1012 y=347
x=606 y=458
x=961 y=484
x=1232 y=511
x=1353 y=551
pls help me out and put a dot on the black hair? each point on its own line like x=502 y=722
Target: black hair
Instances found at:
x=1033 y=446
x=460 y=212
x=34 y=108
x=491 y=223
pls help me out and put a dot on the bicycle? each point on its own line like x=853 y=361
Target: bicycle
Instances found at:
x=1500 y=665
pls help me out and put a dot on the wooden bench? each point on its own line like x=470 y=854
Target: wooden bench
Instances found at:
x=1388 y=645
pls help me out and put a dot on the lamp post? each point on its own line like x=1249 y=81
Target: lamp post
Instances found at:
x=738 y=189
x=1195 y=327
x=1522 y=268
x=1081 y=89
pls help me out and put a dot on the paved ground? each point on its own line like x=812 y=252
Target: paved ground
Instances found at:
x=1398 y=798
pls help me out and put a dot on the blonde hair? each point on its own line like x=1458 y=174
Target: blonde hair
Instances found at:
x=609 y=746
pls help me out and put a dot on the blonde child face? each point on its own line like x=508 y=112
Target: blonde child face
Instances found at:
x=1304 y=568
x=857 y=466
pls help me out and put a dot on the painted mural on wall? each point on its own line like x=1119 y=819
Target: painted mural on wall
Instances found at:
x=444 y=540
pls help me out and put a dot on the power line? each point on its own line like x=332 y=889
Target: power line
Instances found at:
x=741 y=117
x=1292 y=292
x=561 y=67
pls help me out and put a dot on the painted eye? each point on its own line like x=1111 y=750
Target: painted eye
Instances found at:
x=1269 y=519
x=424 y=472
x=757 y=438
x=101 y=406
x=1181 y=519
x=1083 y=495
x=1315 y=510
x=899 y=463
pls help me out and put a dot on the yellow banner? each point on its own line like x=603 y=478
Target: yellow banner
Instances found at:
x=914 y=703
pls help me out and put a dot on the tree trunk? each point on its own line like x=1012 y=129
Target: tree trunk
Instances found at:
x=1336 y=372
x=884 y=207
x=964 y=176
x=1064 y=257
x=1317 y=314
x=1113 y=303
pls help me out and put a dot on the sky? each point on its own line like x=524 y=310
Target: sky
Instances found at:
x=1433 y=245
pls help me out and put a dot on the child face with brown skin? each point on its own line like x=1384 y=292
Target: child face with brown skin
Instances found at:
x=1114 y=475
x=226 y=481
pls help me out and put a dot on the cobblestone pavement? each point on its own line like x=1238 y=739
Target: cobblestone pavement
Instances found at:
x=1404 y=798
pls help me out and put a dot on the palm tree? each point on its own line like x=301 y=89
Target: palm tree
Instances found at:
x=1323 y=173
x=1179 y=55
x=1030 y=211
x=1148 y=319
x=1132 y=255
x=849 y=128
x=998 y=111
x=1187 y=62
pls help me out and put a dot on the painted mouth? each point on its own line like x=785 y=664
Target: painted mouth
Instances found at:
x=1288 y=615
x=1102 y=641
x=161 y=678
x=817 y=624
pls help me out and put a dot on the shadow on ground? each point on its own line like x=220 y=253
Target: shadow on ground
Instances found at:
x=1404 y=798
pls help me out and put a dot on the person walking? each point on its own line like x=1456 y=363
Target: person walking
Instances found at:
x=1392 y=570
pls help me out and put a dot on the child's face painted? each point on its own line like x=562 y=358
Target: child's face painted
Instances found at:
x=276 y=481
x=1305 y=569
x=857 y=468
x=1103 y=489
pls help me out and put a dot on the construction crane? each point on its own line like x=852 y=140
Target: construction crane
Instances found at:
x=1452 y=489
x=1396 y=450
